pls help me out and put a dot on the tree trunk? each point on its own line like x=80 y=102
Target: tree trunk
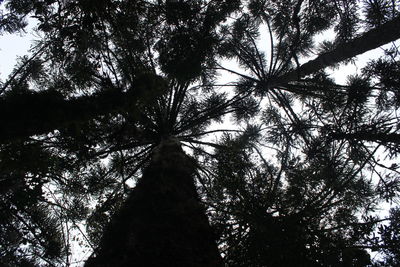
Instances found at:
x=34 y=113
x=382 y=138
x=386 y=33
x=30 y=113
x=162 y=222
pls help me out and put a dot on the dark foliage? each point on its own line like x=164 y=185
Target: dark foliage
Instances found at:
x=296 y=181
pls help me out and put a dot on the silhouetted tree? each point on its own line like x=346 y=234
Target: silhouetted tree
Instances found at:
x=94 y=120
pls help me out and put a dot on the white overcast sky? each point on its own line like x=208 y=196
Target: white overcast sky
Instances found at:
x=14 y=45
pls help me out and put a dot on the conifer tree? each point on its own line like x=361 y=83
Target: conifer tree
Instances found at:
x=93 y=122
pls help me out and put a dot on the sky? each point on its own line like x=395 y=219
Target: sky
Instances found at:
x=14 y=45
x=11 y=46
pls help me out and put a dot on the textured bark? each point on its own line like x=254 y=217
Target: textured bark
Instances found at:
x=162 y=222
x=388 y=32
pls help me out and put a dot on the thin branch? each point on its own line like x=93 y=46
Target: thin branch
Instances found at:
x=19 y=70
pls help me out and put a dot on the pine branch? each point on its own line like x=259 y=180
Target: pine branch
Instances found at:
x=370 y=40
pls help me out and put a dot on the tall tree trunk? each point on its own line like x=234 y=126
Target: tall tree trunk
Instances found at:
x=386 y=33
x=162 y=222
x=30 y=113
x=33 y=113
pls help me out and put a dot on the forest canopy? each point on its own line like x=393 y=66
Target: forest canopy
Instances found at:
x=208 y=132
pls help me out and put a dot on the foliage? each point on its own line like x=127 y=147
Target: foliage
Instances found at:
x=297 y=181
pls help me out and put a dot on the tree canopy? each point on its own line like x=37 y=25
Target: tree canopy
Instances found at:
x=296 y=179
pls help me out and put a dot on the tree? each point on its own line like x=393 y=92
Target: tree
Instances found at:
x=126 y=83
x=299 y=213
x=162 y=217
x=151 y=113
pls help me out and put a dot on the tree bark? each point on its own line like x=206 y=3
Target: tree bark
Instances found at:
x=383 y=138
x=162 y=222
x=34 y=113
x=388 y=32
